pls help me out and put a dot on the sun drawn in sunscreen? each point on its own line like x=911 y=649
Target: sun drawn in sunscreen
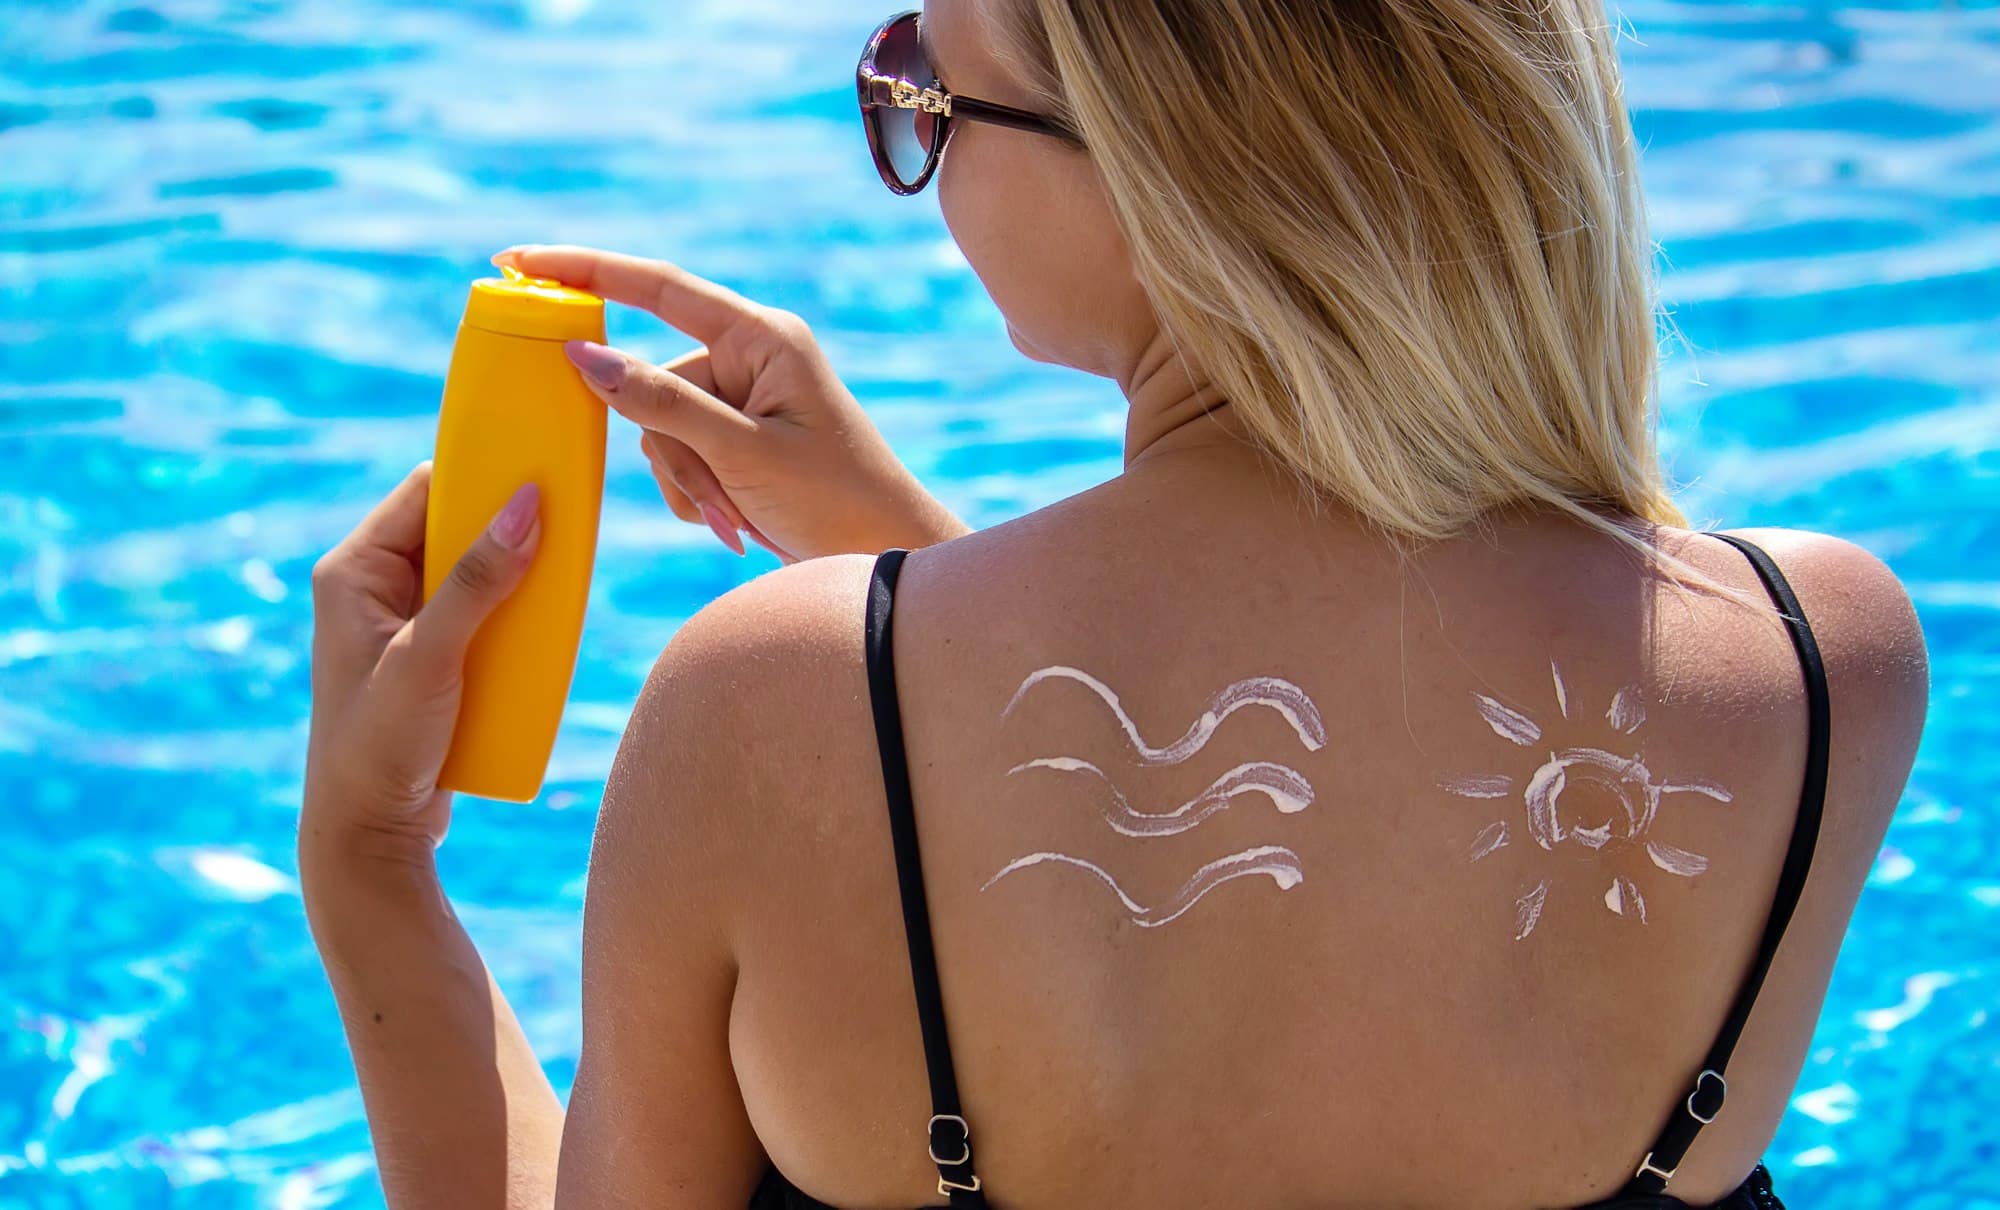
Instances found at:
x=1286 y=789
x=1634 y=789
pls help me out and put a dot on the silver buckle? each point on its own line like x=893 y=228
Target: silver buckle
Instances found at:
x=1694 y=1113
x=1646 y=1165
x=946 y=1186
x=965 y=1130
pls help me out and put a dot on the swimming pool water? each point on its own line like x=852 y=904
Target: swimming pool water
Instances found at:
x=234 y=241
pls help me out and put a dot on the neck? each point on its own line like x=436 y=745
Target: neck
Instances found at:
x=1171 y=406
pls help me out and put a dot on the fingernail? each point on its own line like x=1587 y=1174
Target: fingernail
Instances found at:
x=723 y=529
x=603 y=366
x=508 y=253
x=511 y=525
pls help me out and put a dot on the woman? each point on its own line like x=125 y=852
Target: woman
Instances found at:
x=1501 y=784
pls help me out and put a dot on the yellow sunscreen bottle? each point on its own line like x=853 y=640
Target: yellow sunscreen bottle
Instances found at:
x=515 y=411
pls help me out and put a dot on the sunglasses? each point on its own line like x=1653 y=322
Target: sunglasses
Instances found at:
x=908 y=113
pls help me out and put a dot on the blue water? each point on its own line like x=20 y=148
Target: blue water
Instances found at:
x=234 y=240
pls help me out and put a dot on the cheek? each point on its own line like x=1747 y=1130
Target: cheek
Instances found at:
x=1035 y=229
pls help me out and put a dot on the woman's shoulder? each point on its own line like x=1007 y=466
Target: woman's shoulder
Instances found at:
x=784 y=623
x=1843 y=572
x=756 y=684
x=754 y=715
x=1862 y=619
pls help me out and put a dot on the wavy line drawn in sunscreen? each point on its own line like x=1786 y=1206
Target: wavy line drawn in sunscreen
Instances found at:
x=1287 y=789
x=1272 y=692
x=1635 y=791
x=1280 y=864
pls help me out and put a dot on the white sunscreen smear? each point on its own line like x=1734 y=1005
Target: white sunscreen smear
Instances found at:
x=1507 y=722
x=1271 y=692
x=1278 y=863
x=1528 y=909
x=1286 y=788
x=1624 y=899
x=1634 y=788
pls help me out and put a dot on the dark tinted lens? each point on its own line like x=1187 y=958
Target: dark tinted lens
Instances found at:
x=907 y=134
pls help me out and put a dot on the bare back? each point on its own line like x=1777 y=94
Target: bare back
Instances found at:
x=1267 y=868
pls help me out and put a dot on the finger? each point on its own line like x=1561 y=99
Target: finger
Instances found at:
x=698 y=483
x=694 y=366
x=483 y=576
x=708 y=504
x=395 y=526
x=677 y=500
x=701 y=308
x=397 y=523
x=655 y=399
x=757 y=536
x=693 y=476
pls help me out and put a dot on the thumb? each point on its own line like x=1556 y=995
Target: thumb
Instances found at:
x=483 y=576
x=659 y=399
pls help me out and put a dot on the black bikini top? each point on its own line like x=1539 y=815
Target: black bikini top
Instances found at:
x=949 y=1136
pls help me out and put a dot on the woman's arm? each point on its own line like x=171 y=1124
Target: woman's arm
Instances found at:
x=657 y=1118
x=460 y=1114
x=459 y=1109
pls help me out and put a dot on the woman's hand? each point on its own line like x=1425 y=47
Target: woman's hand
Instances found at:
x=387 y=672
x=752 y=432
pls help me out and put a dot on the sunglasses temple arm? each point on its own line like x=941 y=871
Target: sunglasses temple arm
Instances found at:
x=1018 y=119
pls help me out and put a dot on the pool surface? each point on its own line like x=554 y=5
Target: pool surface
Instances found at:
x=234 y=240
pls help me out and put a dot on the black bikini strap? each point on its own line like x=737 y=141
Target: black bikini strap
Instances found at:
x=949 y=1138
x=1704 y=1100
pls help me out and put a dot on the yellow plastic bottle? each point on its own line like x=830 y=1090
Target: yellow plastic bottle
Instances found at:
x=515 y=410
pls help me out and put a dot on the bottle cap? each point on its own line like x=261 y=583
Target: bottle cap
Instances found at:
x=519 y=305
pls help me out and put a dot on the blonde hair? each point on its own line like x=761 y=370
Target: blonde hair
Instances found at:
x=1403 y=238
